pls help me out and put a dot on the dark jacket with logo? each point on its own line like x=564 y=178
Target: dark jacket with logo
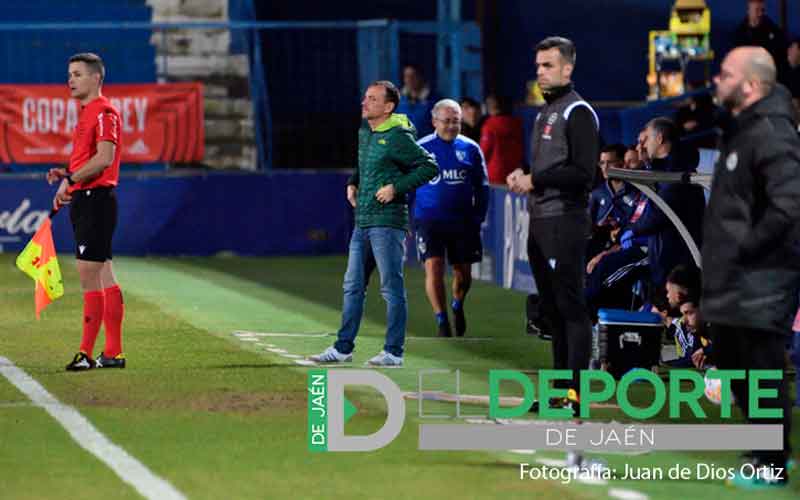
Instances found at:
x=665 y=245
x=615 y=208
x=751 y=248
x=564 y=150
x=389 y=155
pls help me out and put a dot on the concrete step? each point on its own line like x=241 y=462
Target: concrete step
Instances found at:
x=195 y=42
x=216 y=107
x=202 y=67
x=240 y=129
x=243 y=162
x=177 y=10
x=230 y=149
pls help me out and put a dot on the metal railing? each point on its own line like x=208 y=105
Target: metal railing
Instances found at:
x=645 y=181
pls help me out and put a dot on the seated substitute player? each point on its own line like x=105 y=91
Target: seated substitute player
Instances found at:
x=448 y=213
x=88 y=185
x=612 y=203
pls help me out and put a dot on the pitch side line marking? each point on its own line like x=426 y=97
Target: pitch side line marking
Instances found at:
x=623 y=494
x=245 y=334
x=87 y=436
x=17 y=405
x=454 y=339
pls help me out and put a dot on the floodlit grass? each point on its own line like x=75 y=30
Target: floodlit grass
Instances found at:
x=222 y=418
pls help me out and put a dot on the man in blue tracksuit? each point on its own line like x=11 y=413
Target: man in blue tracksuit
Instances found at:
x=612 y=203
x=448 y=213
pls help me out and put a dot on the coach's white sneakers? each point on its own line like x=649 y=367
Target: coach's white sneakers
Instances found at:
x=331 y=355
x=386 y=360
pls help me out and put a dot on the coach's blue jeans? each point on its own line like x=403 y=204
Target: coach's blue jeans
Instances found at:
x=370 y=247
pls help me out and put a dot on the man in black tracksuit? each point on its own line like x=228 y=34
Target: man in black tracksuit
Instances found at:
x=565 y=150
x=751 y=244
x=666 y=248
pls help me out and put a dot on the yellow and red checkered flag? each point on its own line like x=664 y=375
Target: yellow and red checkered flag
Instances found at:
x=38 y=260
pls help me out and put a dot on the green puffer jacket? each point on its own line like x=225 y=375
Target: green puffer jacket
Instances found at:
x=389 y=155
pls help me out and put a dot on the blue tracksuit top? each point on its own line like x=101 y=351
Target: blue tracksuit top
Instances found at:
x=604 y=203
x=460 y=193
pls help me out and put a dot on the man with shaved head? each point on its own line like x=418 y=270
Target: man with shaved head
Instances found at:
x=751 y=243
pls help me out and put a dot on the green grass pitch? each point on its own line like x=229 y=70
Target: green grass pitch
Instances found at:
x=219 y=417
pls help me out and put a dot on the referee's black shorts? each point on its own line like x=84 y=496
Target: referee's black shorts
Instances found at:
x=93 y=213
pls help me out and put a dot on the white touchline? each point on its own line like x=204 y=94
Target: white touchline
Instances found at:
x=16 y=405
x=88 y=437
x=244 y=333
x=552 y=462
x=457 y=339
x=624 y=494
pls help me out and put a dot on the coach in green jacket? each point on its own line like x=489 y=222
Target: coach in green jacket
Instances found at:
x=390 y=165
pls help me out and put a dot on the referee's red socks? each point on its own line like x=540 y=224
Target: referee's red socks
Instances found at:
x=93 y=306
x=112 y=318
x=103 y=307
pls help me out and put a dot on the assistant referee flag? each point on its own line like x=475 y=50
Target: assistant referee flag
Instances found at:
x=38 y=260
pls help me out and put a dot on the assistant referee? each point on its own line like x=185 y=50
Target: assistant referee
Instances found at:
x=88 y=185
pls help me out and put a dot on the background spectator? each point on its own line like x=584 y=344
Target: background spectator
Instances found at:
x=417 y=99
x=471 y=115
x=694 y=117
x=757 y=29
x=632 y=160
x=501 y=139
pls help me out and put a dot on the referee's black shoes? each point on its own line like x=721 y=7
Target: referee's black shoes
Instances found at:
x=80 y=362
x=103 y=361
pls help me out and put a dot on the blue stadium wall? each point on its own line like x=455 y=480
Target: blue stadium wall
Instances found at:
x=280 y=213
